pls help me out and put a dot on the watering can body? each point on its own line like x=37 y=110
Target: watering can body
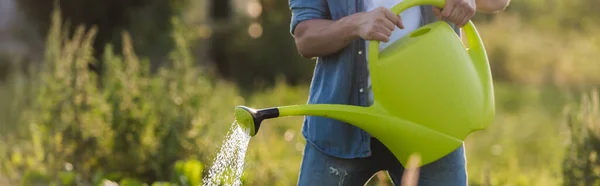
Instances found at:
x=429 y=78
x=430 y=92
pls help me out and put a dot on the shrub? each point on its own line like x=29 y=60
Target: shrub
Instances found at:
x=130 y=126
x=581 y=165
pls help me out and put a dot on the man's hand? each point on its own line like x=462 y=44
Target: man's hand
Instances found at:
x=321 y=37
x=458 y=12
x=377 y=24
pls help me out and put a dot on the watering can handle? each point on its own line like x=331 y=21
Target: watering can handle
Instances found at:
x=474 y=41
x=476 y=49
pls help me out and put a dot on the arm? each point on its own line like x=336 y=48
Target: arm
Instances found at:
x=320 y=37
x=316 y=35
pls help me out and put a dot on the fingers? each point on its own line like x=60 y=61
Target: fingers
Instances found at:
x=458 y=12
x=380 y=25
x=462 y=18
x=393 y=18
x=448 y=8
x=400 y=25
x=437 y=12
x=467 y=10
x=384 y=30
x=379 y=37
x=388 y=24
x=469 y=13
x=380 y=33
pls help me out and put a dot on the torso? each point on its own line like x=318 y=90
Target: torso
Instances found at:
x=341 y=78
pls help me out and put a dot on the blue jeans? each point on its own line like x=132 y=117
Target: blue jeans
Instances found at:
x=321 y=169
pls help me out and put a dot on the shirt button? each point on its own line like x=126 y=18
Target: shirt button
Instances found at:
x=361 y=90
x=360 y=52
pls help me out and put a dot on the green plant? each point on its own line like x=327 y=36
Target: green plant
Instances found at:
x=188 y=173
x=136 y=123
x=128 y=124
x=581 y=164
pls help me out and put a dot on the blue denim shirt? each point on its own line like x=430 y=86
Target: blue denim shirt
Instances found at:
x=339 y=78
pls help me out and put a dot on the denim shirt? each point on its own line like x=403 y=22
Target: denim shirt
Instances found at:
x=339 y=78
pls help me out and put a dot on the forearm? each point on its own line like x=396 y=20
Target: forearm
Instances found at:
x=491 y=6
x=320 y=37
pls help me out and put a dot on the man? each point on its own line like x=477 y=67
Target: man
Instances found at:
x=336 y=32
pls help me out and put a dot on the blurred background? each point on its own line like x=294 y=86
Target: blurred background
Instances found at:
x=142 y=92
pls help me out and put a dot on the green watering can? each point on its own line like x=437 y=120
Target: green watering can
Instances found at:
x=430 y=92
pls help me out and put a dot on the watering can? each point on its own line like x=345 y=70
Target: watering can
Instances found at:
x=430 y=92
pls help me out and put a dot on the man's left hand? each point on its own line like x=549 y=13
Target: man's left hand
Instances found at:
x=458 y=12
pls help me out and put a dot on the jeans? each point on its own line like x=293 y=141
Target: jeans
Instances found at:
x=321 y=169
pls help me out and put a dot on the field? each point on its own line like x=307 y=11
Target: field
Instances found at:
x=62 y=125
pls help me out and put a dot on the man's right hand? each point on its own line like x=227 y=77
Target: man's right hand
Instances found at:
x=321 y=37
x=377 y=24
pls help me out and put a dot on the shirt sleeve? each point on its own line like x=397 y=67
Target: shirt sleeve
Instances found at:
x=303 y=10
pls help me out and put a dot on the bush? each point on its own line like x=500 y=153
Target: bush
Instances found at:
x=129 y=125
x=581 y=164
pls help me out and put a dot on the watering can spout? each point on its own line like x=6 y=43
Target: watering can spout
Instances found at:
x=250 y=119
x=402 y=137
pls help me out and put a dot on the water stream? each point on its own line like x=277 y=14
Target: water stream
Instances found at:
x=228 y=165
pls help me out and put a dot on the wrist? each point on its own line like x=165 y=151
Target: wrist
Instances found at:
x=351 y=25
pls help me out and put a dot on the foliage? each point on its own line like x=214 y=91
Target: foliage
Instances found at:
x=188 y=172
x=129 y=125
x=64 y=125
x=581 y=164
